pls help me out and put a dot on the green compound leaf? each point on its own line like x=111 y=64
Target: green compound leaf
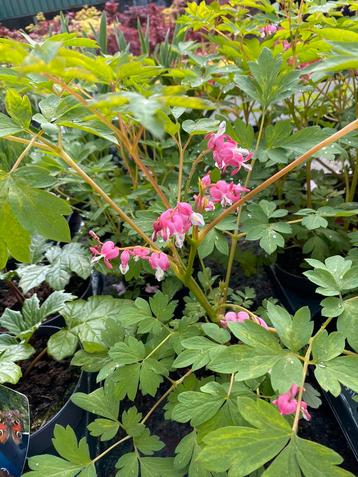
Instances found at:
x=38 y=211
x=294 y=331
x=75 y=460
x=7 y=126
x=307 y=458
x=18 y=108
x=342 y=370
x=347 y=322
x=245 y=449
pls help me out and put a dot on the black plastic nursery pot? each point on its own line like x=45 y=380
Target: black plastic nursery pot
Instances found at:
x=295 y=292
x=69 y=414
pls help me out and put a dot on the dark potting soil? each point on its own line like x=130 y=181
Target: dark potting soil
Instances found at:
x=11 y=296
x=48 y=385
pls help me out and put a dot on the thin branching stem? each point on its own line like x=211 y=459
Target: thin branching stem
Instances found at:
x=271 y=180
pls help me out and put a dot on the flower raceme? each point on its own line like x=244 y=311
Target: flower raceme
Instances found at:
x=287 y=403
x=240 y=317
x=268 y=30
x=158 y=261
x=226 y=193
x=176 y=223
x=226 y=151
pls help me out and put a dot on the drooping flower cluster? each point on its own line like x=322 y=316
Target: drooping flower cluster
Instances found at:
x=158 y=261
x=226 y=193
x=176 y=223
x=240 y=317
x=287 y=403
x=226 y=151
x=268 y=30
x=222 y=192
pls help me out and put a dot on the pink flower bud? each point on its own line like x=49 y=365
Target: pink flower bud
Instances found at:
x=92 y=234
x=240 y=317
x=159 y=262
x=230 y=316
x=205 y=181
x=287 y=404
x=174 y=223
x=226 y=152
x=140 y=252
x=125 y=257
x=268 y=30
x=226 y=193
x=108 y=251
x=203 y=203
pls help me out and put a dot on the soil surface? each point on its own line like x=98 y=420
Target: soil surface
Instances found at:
x=48 y=385
x=12 y=297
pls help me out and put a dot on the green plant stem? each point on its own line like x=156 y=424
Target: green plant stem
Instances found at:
x=158 y=346
x=306 y=363
x=349 y=353
x=192 y=170
x=200 y=296
x=354 y=182
x=232 y=380
x=107 y=451
x=271 y=180
x=192 y=252
x=22 y=140
x=192 y=255
x=71 y=163
x=235 y=237
x=145 y=418
x=25 y=152
x=167 y=392
x=181 y=164
x=132 y=150
x=346 y=181
x=308 y=184
x=300 y=392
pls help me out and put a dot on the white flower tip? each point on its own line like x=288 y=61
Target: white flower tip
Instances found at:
x=159 y=274
x=123 y=270
x=222 y=128
x=97 y=258
x=179 y=240
x=197 y=219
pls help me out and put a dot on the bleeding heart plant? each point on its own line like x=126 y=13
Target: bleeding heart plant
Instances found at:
x=235 y=375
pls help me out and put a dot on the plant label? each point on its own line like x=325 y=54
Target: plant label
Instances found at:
x=14 y=431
